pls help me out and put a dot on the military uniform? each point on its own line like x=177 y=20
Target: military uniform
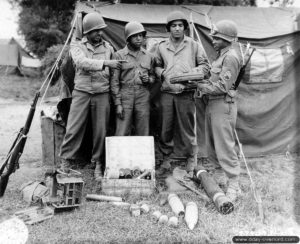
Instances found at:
x=177 y=105
x=90 y=97
x=129 y=91
x=221 y=112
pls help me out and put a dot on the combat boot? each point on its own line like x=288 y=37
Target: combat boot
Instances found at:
x=98 y=171
x=164 y=167
x=233 y=190
x=65 y=165
x=191 y=164
x=220 y=178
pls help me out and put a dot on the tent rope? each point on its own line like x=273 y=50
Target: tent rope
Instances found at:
x=55 y=65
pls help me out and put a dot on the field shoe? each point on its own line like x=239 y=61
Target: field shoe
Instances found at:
x=190 y=165
x=98 y=171
x=65 y=165
x=233 y=190
x=165 y=167
x=220 y=178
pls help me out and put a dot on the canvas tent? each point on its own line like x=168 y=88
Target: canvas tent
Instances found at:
x=268 y=95
x=15 y=58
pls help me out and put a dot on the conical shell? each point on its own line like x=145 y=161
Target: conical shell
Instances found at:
x=176 y=204
x=191 y=215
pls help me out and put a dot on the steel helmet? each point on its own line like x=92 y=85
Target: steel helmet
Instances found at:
x=176 y=15
x=133 y=28
x=92 y=21
x=225 y=29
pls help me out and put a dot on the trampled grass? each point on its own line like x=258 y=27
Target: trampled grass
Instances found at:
x=277 y=179
x=101 y=222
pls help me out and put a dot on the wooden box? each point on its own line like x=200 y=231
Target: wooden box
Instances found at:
x=129 y=152
x=52 y=137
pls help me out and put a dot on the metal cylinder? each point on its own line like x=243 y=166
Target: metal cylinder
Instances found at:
x=156 y=215
x=173 y=221
x=163 y=219
x=191 y=215
x=222 y=203
x=176 y=205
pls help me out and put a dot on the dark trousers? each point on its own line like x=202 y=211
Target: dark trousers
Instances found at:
x=136 y=105
x=83 y=105
x=178 y=116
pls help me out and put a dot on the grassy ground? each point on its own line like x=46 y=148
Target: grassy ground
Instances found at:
x=276 y=177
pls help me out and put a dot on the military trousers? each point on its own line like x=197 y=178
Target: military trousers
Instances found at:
x=136 y=105
x=178 y=115
x=220 y=122
x=85 y=106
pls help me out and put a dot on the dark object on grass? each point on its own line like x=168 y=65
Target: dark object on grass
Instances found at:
x=222 y=203
x=11 y=163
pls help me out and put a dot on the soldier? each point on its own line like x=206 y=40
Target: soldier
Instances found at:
x=221 y=110
x=92 y=60
x=176 y=55
x=130 y=83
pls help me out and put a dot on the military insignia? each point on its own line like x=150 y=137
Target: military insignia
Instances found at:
x=227 y=75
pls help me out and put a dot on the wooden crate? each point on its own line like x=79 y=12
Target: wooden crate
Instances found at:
x=52 y=137
x=120 y=187
x=129 y=152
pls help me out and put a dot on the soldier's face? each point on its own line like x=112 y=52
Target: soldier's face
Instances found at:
x=95 y=36
x=136 y=41
x=219 y=43
x=177 y=29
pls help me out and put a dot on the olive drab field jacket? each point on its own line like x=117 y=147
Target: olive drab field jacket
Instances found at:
x=91 y=76
x=138 y=63
x=223 y=74
x=188 y=56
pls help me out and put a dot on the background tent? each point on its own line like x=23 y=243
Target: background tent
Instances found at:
x=267 y=117
x=14 y=58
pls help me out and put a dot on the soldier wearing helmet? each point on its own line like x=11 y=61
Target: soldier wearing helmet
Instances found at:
x=176 y=55
x=130 y=83
x=92 y=59
x=221 y=110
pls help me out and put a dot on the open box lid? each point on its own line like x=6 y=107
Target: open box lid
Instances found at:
x=129 y=152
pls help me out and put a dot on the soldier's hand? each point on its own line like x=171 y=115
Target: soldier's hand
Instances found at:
x=145 y=78
x=120 y=111
x=114 y=64
x=179 y=87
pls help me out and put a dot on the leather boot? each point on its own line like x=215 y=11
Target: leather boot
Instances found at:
x=190 y=164
x=65 y=165
x=98 y=171
x=233 y=190
x=220 y=178
x=165 y=166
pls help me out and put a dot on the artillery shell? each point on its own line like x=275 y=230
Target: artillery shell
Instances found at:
x=176 y=204
x=191 y=215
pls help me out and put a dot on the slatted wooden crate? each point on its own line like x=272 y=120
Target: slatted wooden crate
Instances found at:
x=129 y=152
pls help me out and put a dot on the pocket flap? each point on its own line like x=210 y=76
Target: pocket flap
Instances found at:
x=215 y=70
x=127 y=65
x=145 y=65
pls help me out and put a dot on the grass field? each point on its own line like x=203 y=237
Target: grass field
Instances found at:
x=277 y=178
